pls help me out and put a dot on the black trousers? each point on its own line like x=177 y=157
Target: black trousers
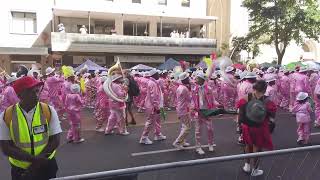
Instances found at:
x=44 y=173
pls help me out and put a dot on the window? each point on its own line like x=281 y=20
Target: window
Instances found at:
x=185 y=3
x=136 y=1
x=162 y=2
x=24 y=22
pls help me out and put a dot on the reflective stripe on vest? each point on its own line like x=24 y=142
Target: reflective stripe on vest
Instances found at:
x=25 y=138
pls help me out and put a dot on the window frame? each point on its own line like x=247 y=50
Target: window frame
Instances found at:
x=11 y=29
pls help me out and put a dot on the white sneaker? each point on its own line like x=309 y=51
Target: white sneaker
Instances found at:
x=146 y=141
x=256 y=172
x=79 y=141
x=185 y=144
x=200 y=151
x=160 y=137
x=126 y=133
x=246 y=168
x=211 y=148
x=178 y=146
x=100 y=129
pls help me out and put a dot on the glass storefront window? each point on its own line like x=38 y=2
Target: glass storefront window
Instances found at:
x=135 y=28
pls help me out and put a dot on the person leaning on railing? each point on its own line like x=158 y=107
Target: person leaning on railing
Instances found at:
x=29 y=133
x=256 y=115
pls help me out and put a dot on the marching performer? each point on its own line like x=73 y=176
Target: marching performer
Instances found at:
x=283 y=88
x=302 y=109
x=54 y=86
x=74 y=104
x=117 y=109
x=183 y=111
x=102 y=110
x=153 y=103
x=271 y=91
x=229 y=89
x=202 y=100
x=9 y=95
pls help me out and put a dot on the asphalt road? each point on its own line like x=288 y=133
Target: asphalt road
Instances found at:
x=102 y=153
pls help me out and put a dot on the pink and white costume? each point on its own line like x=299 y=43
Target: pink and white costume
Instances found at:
x=183 y=112
x=229 y=90
x=153 y=103
x=74 y=104
x=202 y=99
x=54 y=88
x=102 y=110
x=302 y=112
x=284 y=95
x=272 y=94
x=9 y=98
x=117 y=110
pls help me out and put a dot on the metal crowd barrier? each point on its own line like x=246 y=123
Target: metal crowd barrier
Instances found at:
x=131 y=173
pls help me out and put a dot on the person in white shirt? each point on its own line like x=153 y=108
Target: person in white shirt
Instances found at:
x=83 y=30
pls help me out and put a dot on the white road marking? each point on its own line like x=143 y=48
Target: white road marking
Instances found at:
x=314 y=134
x=167 y=150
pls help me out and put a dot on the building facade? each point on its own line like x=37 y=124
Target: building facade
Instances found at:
x=55 y=32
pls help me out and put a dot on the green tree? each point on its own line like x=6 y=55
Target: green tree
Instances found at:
x=280 y=22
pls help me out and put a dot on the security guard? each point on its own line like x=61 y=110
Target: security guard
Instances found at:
x=29 y=133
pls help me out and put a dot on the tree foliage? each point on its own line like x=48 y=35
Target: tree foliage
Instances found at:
x=280 y=22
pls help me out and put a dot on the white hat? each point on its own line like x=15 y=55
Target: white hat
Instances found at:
x=285 y=70
x=229 y=69
x=201 y=75
x=50 y=70
x=152 y=72
x=96 y=71
x=303 y=69
x=77 y=73
x=183 y=76
x=30 y=73
x=243 y=75
x=11 y=79
x=164 y=71
x=250 y=75
x=270 y=70
x=75 y=88
x=188 y=71
x=116 y=77
x=214 y=76
x=270 y=79
x=104 y=78
x=302 y=96
x=104 y=73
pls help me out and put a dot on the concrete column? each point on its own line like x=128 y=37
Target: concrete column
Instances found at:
x=153 y=28
x=119 y=25
x=5 y=63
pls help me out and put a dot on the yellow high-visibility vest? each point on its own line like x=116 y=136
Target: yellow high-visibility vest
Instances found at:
x=33 y=140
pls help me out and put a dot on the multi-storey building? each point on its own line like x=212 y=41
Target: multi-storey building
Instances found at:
x=135 y=31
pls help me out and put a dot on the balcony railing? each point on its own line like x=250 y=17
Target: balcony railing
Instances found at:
x=75 y=42
x=132 y=40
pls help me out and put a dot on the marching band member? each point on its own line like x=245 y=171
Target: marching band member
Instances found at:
x=202 y=100
x=74 y=104
x=183 y=111
x=54 y=86
x=117 y=109
x=153 y=103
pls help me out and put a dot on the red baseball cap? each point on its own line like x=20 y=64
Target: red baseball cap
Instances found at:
x=24 y=83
